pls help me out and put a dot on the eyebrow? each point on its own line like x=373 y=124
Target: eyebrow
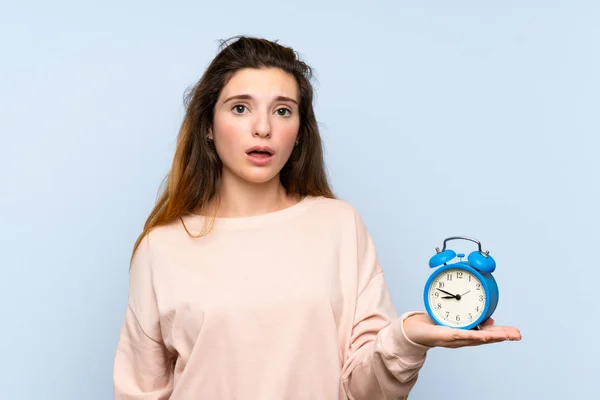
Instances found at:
x=248 y=97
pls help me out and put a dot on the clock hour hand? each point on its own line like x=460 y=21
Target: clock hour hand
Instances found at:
x=451 y=296
x=448 y=293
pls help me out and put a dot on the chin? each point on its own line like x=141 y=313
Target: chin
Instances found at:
x=259 y=177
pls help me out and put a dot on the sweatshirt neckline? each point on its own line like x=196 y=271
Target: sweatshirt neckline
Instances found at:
x=257 y=221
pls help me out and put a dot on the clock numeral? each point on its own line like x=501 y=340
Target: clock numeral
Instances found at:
x=439 y=306
x=441 y=285
x=449 y=277
x=447 y=314
x=470 y=317
x=459 y=275
x=480 y=298
x=436 y=294
x=469 y=278
x=477 y=308
x=458 y=317
x=478 y=286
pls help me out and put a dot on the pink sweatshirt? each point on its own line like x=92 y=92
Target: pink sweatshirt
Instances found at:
x=283 y=306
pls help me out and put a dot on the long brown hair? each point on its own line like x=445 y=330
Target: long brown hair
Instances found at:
x=196 y=169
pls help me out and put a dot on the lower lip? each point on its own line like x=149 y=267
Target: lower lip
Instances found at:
x=260 y=159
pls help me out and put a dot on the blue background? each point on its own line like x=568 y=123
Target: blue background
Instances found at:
x=439 y=118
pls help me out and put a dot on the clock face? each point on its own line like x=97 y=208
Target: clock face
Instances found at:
x=456 y=297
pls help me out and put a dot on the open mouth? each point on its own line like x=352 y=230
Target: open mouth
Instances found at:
x=260 y=151
x=260 y=155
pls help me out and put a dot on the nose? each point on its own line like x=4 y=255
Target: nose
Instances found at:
x=262 y=126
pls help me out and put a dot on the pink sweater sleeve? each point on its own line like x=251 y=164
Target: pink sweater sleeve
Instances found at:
x=142 y=366
x=382 y=363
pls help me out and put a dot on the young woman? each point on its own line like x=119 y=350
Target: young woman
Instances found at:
x=250 y=279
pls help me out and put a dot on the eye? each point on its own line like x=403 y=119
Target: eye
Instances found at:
x=238 y=109
x=282 y=112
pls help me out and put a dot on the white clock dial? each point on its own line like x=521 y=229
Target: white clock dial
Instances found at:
x=457 y=297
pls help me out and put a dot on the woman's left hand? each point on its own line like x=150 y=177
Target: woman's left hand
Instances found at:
x=422 y=330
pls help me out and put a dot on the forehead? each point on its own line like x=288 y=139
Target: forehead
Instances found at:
x=264 y=83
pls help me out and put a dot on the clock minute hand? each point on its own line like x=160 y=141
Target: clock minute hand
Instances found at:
x=448 y=293
x=451 y=296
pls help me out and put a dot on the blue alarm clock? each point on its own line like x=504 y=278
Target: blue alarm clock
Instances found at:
x=462 y=294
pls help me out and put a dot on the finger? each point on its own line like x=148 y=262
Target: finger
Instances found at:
x=462 y=339
x=460 y=334
x=452 y=337
x=475 y=338
x=485 y=335
x=510 y=332
x=455 y=338
x=501 y=335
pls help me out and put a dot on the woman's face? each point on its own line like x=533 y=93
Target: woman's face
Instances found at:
x=255 y=124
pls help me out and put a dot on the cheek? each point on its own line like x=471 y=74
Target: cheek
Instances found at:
x=288 y=134
x=228 y=133
x=229 y=129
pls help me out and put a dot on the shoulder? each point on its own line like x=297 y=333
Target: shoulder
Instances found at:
x=171 y=236
x=338 y=212
x=333 y=207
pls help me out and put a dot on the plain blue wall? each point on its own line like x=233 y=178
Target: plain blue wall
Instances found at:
x=439 y=119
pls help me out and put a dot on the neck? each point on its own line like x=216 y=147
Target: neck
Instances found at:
x=239 y=198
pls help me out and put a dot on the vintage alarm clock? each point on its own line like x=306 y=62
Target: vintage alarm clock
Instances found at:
x=462 y=294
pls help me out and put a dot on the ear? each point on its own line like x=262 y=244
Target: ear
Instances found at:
x=210 y=134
